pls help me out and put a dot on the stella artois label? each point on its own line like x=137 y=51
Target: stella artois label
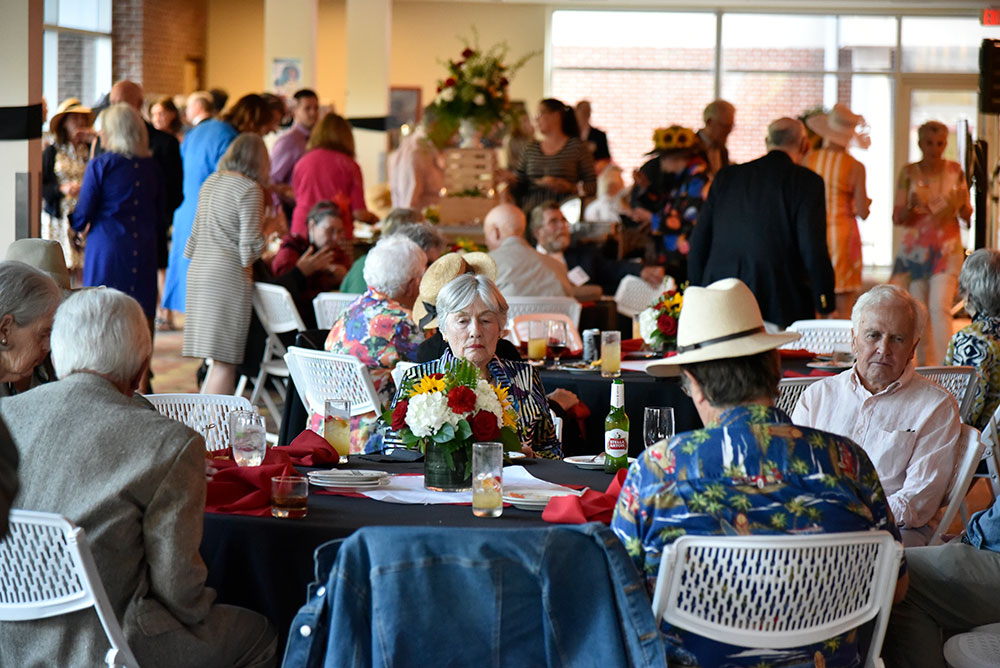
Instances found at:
x=615 y=442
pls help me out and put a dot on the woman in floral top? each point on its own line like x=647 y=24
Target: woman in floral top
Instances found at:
x=978 y=344
x=931 y=196
x=377 y=327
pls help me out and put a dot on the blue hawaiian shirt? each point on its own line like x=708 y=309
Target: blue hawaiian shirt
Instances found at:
x=751 y=472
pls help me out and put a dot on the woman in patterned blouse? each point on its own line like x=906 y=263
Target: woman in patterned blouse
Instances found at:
x=472 y=315
x=978 y=344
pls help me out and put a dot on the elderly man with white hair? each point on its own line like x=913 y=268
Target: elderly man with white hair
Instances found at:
x=378 y=327
x=521 y=270
x=134 y=480
x=908 y=425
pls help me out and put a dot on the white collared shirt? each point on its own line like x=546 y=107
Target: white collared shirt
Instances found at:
x=909 y=430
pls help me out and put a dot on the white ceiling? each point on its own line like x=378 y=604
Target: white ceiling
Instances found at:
x=952 y=7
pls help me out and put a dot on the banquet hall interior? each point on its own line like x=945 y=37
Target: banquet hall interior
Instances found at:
x=374 y=183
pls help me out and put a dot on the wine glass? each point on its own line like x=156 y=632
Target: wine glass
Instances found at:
x=558 y=338
x=657 y=424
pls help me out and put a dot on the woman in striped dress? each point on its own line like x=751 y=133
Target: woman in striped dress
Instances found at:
x=846 y=197
x=558 y=167
x=228 y=235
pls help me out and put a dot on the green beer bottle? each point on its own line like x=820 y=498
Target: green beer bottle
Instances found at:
x=616 y=430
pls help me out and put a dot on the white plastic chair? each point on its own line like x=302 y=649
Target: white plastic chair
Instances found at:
x=524 y=305
x=968 y=453
x=778 y=592
x=979 y=648
x=959 y=380
x=328 y=306
x=319 y=375
x=48 y=570
x=634 y=296
x=572 y=210
x=277 y=313
x=519 y=329
x=822 y=337
x=399 y=371
x=207 y=414
x=991 y=454
x=791 y=389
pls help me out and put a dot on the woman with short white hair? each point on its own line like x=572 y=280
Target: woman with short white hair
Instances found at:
x=120 y=207
x=377 y=327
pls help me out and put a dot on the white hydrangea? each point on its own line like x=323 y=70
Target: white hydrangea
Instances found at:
x=426 y=413
x=647 y=325
x=486 y=399
x=479 y=100
x=448 y=94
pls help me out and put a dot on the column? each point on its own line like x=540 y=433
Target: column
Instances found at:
x=367 y=95
x=20 y=120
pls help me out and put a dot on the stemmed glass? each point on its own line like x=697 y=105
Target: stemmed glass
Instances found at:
x=557 y=340
x=657 y=424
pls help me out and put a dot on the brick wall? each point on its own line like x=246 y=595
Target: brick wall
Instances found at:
x=173 y=33
x=71 y=61
x=126 y=39
x=630 y=103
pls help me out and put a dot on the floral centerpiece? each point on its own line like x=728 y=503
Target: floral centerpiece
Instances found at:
x=476 y=88
x=444 y=414
x=658 y=322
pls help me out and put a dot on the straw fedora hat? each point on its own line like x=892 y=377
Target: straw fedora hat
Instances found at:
x=44 y=254
x=70 y=105
x=840 y=127
x=718 y=322
x=439 y=274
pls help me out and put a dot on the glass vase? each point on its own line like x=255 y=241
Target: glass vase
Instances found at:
x=441 y=477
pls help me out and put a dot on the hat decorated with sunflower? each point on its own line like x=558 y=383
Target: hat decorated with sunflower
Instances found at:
x=675 y=139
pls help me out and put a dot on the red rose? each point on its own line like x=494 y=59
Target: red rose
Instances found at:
x=399 y=415
x=450 y=81
x=667 y=324
x=484 y=426
x=468 y=53
x=461 y=400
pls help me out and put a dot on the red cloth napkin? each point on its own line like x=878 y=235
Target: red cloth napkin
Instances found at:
x=796 y=354
x=590 y=506
x=310 y=449
x=245 y=490
x=789 y=373
x=631 y=345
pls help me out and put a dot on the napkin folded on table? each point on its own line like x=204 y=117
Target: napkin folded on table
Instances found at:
x=590 y=506
x=245 y=490
x=796 y=354
x=310 y=449
x=789 y=373
x=631 y=345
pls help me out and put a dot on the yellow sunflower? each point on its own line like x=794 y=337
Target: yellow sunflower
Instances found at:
x=428 y=384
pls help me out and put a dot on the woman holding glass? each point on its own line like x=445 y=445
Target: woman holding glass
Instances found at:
x=472 y=315
x=931 y=196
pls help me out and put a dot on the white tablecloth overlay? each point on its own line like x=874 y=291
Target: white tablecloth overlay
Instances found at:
x=410 y=488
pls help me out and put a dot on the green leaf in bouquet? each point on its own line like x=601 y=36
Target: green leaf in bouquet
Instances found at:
x=464 y=430
x=510 y=440
x=408 y=437
x=445 y=434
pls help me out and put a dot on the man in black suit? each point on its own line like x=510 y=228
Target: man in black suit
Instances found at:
x=764 y=222
x=596 y=139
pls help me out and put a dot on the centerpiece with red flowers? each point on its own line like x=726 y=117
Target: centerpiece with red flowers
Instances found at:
x=444 y=414
x=658 y=323
x=475 y=92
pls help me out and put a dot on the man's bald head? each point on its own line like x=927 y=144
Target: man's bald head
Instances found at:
x=788 y=135
x=128 y=92
x=503 y=221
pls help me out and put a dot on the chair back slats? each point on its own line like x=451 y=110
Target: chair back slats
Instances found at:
x=319 y=375
x=276 y=309
x=207 y=414
x=523 y=305
x=329 y=305
x=959 y=380
x=47 y=570
x=634 y=296
x=790 y=389
x=968 y=453
x=822 y=337
x=778 y=591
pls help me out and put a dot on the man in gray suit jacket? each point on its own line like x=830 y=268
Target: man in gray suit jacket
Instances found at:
x=135 y=481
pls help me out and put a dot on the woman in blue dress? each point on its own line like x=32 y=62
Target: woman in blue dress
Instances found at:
x=203 y=146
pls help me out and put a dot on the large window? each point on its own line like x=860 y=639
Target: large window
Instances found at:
x=77 y=51
x=767 y=65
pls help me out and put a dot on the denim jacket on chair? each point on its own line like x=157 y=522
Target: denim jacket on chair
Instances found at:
x=407 y=596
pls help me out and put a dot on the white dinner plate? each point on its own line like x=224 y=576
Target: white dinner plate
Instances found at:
x=348 y=485
x=514 y=454
x=535 y=499
x=830 y=366
x=353 y=475
x=590 y=461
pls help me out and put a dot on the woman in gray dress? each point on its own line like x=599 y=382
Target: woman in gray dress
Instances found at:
x=229 y=233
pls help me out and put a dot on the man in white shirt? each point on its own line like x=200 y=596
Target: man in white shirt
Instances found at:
x=521 y=270
x=907 y=424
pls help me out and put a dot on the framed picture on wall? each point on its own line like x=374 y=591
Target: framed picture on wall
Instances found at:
x=404 y=109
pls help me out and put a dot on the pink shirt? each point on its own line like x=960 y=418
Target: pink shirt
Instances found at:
x=326 y=174
x=909 y=431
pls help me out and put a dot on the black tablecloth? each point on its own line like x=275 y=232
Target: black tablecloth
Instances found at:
x=265 y=564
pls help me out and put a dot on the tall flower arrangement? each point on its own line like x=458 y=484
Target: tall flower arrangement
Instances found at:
x=658 y=323
x=452 y=410
x=476 y=85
